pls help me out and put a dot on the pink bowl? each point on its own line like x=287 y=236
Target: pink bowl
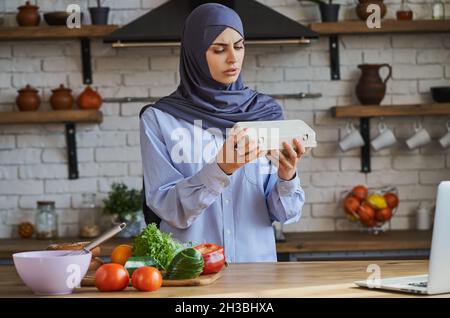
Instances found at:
x=51 y=272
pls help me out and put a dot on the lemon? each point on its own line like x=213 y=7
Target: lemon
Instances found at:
x=377 y=201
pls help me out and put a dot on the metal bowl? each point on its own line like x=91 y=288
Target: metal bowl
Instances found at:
x=58 y=17
x=441 y=94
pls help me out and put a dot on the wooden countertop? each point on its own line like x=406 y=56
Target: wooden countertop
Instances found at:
x=295 y=242
x=295 y=279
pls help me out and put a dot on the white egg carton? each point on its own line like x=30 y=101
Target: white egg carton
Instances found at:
x=272 y=134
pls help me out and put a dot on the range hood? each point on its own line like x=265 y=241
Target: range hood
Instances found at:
x=163 y=25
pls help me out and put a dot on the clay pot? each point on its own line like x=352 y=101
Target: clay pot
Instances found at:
x=61 y=98
x=371 y=89
x=89 y=99
x=28 y=99
x=28 y=15
x=361 y=8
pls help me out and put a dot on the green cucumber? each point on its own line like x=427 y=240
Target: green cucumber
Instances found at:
x=186 y=264
x=134 y=263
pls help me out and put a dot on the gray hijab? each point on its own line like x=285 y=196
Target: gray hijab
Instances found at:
x=199 y=96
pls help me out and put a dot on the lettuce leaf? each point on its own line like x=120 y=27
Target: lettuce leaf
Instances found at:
x=152 y=242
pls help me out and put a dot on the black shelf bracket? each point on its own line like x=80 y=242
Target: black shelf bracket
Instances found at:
x=334 y=57
x=86 y=60
x=72 y=150
x=364 y=128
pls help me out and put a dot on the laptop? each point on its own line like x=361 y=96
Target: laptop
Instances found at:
x=438 y=279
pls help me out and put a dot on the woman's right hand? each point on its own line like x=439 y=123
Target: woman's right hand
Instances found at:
x=238 y=149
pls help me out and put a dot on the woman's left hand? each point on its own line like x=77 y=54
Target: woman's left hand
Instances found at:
x=287 y=160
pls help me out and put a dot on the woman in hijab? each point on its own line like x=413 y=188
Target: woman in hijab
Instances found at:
x=207 y=183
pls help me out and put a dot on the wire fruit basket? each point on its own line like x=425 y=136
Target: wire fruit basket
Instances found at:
x=372 y=207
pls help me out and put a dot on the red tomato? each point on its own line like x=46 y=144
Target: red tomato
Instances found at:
x=351 y=204
x=147 y=278
x=213 y=257
x=111 y=277
x=360 y=192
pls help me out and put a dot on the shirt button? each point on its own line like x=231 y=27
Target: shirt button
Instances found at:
x=227 y=201
x=222 y=183
x=228 y=232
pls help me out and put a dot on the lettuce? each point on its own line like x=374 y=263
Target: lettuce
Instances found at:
x=152 y=242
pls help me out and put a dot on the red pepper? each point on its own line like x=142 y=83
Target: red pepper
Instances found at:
x=213 y=257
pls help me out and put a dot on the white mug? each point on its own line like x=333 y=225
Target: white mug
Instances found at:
x=353 y=139
x=444 y=141
x=420 y=138
x=384 y=139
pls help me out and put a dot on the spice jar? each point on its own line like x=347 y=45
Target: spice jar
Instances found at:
x=46 y=220
x=88 y=216
x=405 y=12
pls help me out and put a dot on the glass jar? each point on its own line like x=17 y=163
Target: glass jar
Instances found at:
x=438 y=10
x=89 y=216
x=46 y=220
x=405 y=12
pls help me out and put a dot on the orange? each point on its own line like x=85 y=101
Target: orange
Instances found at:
x=121 y=254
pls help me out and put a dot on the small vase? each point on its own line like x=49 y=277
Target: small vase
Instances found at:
x=329 y=12
x=99 y=15
x=28 y=99
x=28 y=15
x=361 y=8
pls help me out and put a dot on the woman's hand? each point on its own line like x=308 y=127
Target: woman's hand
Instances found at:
x=237 y=150
x=287 y=159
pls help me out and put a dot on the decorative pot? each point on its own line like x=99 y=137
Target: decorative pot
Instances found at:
x=361 y=8
x=371 y=89
x=329 y=12
x=61 y=98
x=28 y=99
x=99 y=15
x=28 y=15
x=89 y=99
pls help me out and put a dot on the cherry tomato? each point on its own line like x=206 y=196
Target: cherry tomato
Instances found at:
x=111 y=277
x=147 y=278
x=213 y=257
x=121 y=254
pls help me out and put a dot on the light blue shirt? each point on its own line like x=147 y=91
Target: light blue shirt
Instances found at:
x=199 y=203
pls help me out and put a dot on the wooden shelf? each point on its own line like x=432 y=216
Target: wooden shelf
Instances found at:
x=387 y=26
x=362 y=111
x=48 y=117
x=54 y=32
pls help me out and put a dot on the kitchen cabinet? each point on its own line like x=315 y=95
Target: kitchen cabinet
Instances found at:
x=295 y=279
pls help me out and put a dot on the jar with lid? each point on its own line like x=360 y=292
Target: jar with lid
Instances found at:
x=405 y=12
x=438 y=12
x=46 y=220
x=89 y=216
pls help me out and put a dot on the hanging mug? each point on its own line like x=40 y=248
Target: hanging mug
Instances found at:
x=352 y=140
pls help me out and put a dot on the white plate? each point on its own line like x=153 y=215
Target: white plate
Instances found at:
x=272 y=134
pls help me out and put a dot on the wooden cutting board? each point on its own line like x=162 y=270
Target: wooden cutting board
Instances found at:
x=202 y=280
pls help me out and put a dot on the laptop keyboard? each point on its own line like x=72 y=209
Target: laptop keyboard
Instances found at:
x=420 y=284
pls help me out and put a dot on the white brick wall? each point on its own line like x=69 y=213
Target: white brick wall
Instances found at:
x=33 y=157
